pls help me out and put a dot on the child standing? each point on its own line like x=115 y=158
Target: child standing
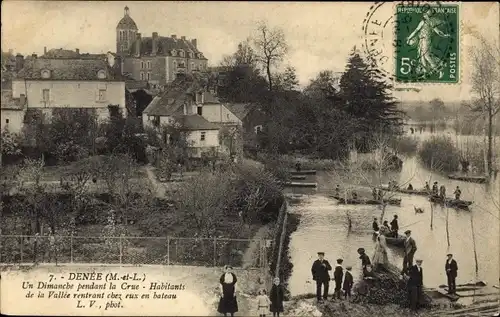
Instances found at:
x=263 y=302
x=276 y=296
x=348 y=282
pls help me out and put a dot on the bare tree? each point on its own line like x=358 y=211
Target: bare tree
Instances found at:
x=486 y=86
x=244 y=55
x=270 y=48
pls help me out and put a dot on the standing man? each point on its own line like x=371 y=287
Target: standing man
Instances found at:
x=338 y=275
x=457 y=193
x=365 y=259
x=375 y=225
x=435 y=188
x=410 y=249
x=320 y=274
x=415 y=283
x=451 y=269
x=395 y=226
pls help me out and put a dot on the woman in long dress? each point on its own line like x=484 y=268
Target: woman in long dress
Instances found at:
x=380 y=258
x=228 y=303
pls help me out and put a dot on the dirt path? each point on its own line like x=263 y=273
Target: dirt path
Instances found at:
x=157 y=185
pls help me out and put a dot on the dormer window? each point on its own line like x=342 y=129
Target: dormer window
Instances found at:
x=101 y=74
x=181 y=53
x=190 y=54
x=174 y=53
x=45 y=73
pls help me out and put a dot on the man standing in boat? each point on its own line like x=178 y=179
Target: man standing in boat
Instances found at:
x=442 y=192
x=320 y=274
x=427 y=187
x=457 y=193
x=451 y=268
x=395 y=226
x=410 y=249
x=435 y=188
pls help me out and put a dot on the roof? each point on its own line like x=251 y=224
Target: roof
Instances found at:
x=165 y=46
x=69 y=69
x=62 y=53
x=136 y=84
x=10 y=103
x=127 y=23
x=196 y=122
x=240 y=110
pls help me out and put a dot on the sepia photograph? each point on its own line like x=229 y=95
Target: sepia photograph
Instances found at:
x=212 y=158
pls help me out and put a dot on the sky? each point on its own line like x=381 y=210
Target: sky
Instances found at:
x=320 y=35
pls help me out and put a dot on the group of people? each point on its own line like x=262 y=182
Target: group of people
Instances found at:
x=441 y=190
x=343 y=281
x=228 y=303
x=354 y=194
x=386 y=229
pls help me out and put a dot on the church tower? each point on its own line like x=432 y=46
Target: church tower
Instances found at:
x=126 y=31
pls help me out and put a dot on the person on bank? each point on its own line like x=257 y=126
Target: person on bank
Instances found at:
x=228 y=303
x=375 y=225
x=320 y=274
x=348 y=282
x=457 y=193
x=451 y=268
x=276 y=295
x=427 y=187
x=263 y=303
x=415 y=283
x=338 y=275
x=365 y=259
x=410 y=249
x=410 y=187
x=395 y=226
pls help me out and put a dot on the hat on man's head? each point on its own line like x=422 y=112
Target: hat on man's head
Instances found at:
x=348 y=267
x=449 y=254
x=340 y=260
x=361 y=250
x=419 y=260
x=407 y=231
x=435 y=182
x=321 y=253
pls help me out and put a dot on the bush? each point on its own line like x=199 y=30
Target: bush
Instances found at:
x=439 y=153
x=404 y=145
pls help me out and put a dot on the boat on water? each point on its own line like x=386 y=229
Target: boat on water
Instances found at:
x=468 y=178
x=419 y=192
x=303 y=172
x=360 y=201
x=390 y=240
x=297 y=177
x=300 y=184
x=454 y=203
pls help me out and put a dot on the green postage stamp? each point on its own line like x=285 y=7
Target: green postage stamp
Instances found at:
x=427 y=43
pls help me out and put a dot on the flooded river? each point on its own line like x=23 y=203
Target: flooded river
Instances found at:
x=324 y=227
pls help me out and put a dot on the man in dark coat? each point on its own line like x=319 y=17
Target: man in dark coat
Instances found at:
x=348 y=282
x=451 y=268
x=375 y=225
x=365 y=259
x=415 y=283
x=395 y=226
x=320 y=274
x=338 y=274
x=410 y=249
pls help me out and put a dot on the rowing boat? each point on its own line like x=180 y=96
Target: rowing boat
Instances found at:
x=397 y=242
x=394 y=202
x=467 y=178
x=420 y=192
x=454 y=203
x=298 y=177
x=303 y=172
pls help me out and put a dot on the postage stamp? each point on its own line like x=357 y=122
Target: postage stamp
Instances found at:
x=427 y=41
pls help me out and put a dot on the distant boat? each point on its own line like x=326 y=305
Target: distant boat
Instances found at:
x=420 y=192
x=300 y=184
x=397 y=242
x=303 y=172
x=454 y=203
x=298 y=177
x=467 y=178
x=360 y=201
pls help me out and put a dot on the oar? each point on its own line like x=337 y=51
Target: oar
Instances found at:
x=410 y=224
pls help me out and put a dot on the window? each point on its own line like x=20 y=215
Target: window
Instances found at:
x=192 y=66
x=101 y=74
x=199 y=110
x=102 y=95
x=258 y=129
x=174 y=53
x=202 y=136
x=175 y=64
x=6 y=121
x=149 y=64
x=148 y=76
x=142 y=76
x=124 y=48
x=142 y=65
x=181 y=53
x=156 y=121
x=46 y=96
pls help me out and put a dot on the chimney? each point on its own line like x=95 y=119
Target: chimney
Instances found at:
x=173 y=36
x=33 y=55
x=155 y=44
x=22 y=99
x=77 y=50
x=195 y=42
x=19 y=62
x=45 y=50
x=183 y=38
x=138 y=43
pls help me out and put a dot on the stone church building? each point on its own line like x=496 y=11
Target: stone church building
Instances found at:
x=156 y=59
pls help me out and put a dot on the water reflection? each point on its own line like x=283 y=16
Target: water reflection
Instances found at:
x=324 y=227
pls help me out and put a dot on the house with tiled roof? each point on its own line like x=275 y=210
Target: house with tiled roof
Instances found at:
x=156 y=59
x=70 y=83
x=12 y=111
x=207 y=120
